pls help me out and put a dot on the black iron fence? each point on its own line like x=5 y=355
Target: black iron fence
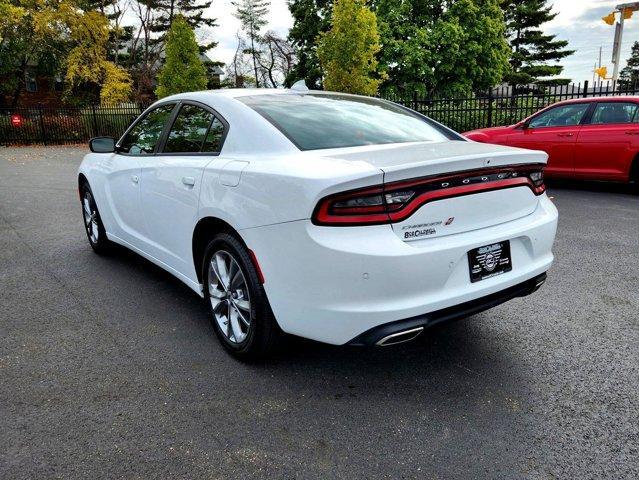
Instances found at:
x=499 y=106
x=505 y=105
x=55 y=125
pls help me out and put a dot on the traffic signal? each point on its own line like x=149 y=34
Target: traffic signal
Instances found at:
x=627 y=13
x=602 y=72
x=609 y=19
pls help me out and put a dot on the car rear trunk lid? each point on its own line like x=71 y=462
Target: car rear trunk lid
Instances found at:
x=494 y=199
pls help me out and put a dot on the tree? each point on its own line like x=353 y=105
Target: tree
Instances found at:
x=533 y=54
x=116 y=86
x=630 y=74
x=183 y=70
x=441 y=47
x=347 y=51
x=191 y=10
x=276 y=59
x=310 y=18
x=239 y=71
x=252 y=15
x=89 y=75
x=29 y=41
x=114 y=11
x=48 y=37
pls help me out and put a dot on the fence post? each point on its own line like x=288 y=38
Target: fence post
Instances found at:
x=490 y=107
x=415 y=100
x=43 y=133
x=95 y=121
x=585 y=88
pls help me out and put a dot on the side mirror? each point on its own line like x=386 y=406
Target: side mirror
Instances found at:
x=523 y=125
x=102 y=144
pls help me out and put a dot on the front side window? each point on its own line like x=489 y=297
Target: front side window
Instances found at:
x=615 y=112
x=145 y=134
x=562 y=116
x=319 y=121
x=194 y=130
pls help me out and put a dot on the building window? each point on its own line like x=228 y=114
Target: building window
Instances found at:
x=30 y=83
x=58 y=85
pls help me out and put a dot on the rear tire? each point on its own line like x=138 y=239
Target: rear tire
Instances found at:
x=634 y=175
x=240 y=312
x=93 y=225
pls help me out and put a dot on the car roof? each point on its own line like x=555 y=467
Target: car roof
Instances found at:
x=616 y=98
x=249 y=131
x=242 y=92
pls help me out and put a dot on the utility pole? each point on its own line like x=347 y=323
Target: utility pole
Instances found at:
x=616 y=48
x=625 y=11
x=600 y=81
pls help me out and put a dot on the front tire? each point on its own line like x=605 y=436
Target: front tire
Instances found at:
x=241 y=315
x=93 y=225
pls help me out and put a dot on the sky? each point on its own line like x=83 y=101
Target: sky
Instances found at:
x=578 y=21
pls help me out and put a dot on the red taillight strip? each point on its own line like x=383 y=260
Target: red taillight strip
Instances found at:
x=372 y=215
x=427 y=197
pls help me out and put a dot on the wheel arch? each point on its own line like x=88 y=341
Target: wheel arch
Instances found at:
x=633 y=175
x=82 y=179
x=204 y=230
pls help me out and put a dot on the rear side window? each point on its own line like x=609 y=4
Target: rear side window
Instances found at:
x=319 y=121
x=213 y=140
x=144 y=136
x=615 y=112
x=194 y=130
x=561 y=116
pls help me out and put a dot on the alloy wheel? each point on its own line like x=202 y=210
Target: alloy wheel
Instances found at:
x=229 y=296
x=90 y=217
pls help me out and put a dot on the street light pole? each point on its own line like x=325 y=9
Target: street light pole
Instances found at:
x=623 y=9
x=617 y=48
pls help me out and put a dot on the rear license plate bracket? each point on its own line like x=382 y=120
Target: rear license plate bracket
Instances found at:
x=489 y=261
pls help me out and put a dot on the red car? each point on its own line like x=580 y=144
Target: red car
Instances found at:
x=587 y=138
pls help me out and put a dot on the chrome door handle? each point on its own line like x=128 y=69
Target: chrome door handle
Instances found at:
x=188 y=181
x=135 y=178
x=565 y=134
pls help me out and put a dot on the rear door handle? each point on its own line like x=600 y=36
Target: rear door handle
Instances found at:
x=565 y=134
x=135 y=178
x=188 y=181
x=631 y=132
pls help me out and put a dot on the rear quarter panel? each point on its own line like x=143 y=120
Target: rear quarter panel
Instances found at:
x=274 y=190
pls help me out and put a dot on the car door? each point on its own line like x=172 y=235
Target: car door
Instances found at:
x=122 y=172
x=554 y=131
x=171 y=181
x=608 y=142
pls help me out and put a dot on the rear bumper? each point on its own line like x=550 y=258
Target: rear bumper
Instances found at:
x=376 y=335
x=332 y=284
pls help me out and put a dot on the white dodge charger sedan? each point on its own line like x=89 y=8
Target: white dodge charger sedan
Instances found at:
x=339 y=218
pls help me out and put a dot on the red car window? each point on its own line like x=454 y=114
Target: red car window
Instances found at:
x=560 y=116
x=615 y=112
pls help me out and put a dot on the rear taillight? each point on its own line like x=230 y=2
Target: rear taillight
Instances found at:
x=394 y=202
x=537 y=178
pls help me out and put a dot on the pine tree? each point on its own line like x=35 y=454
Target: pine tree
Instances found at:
x=630 y=74
x=310 y=18
x=252 y=15
x=183 y=70
x=347 y=51
x=534 y=55
x=191 y=10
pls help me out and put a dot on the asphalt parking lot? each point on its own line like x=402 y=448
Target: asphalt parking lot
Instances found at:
x=109 y=367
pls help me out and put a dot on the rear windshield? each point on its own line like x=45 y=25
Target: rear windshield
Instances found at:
x=317 y=121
